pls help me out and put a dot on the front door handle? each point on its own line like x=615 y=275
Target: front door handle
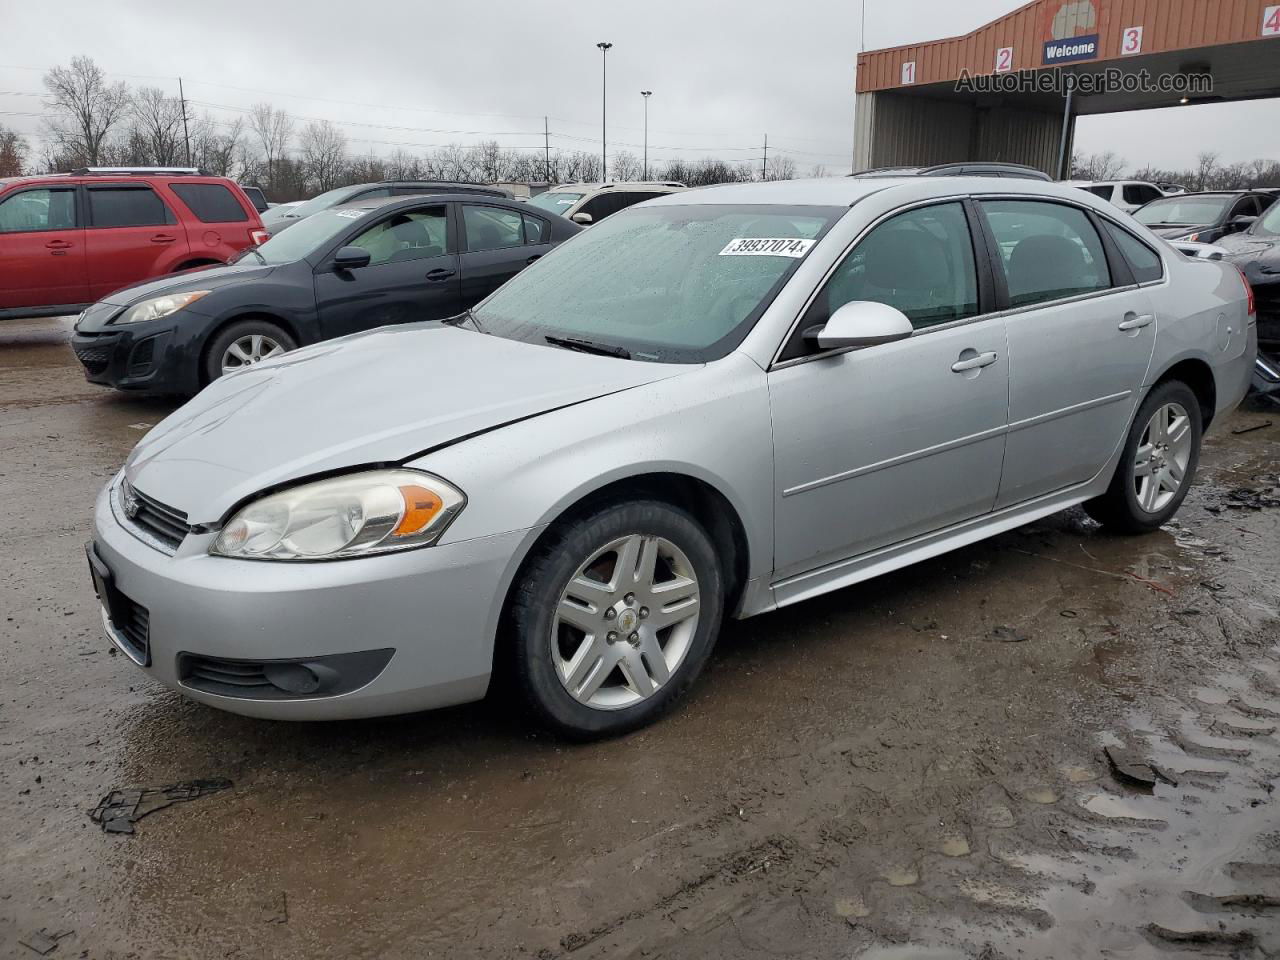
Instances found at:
x=163 y=238
x=1133 y=321
x=531 y=259
x=975 y=362
x=58 y=245
x=439 y=274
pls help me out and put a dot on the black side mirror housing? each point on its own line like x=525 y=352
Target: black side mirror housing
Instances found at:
x=351 y=258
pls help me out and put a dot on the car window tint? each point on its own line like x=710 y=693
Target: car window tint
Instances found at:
x=210 y=202
x=624 y=200
x=413 y=235
x=38 y=210
x=1140 y=193
x=127 y=207
x=1143 y=261
x=1244 y=207
x=599 y=207
x=1104 y=192
x=536 y=230
x=491 y=228
x=920 y=261
x=1048 y=250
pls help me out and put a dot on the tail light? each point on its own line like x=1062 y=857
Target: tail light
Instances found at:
x=1251 y=305
x=259 y=237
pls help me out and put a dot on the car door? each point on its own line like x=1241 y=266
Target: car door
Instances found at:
x=1081 y=334
x=412 y=274
x=42 y=249
x=131 y=235
x=495 y=247
x=882 y=444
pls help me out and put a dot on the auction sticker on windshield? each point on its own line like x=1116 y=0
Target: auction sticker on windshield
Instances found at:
x=351 y=214
x=767 y=247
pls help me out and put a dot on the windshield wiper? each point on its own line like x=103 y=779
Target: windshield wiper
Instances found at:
x=586 y=346
x=254 y=251
x=464 y=317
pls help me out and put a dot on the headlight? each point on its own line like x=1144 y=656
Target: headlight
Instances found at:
x=353 y=516
x=158 y=307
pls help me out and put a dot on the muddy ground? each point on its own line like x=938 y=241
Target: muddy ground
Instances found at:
x=912 y=768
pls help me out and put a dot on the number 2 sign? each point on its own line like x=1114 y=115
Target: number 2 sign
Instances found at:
x=1131 y=41
x=1004 y=59
x=1271 y=22
x=909 y=72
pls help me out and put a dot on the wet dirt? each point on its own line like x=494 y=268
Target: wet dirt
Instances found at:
x=863 y=775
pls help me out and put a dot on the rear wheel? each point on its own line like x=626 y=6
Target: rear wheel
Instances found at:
x=615 y=616
x=244 y=344
x=1157 y=465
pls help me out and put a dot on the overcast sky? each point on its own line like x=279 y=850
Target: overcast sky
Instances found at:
x=417 y=75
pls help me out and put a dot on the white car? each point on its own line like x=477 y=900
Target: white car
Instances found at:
x=1128 y=195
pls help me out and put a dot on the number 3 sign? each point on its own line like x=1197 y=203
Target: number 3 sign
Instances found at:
x=1131 y=41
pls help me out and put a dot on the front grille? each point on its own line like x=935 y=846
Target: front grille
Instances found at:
x=163 y=523
x=133 y=626
x=93 y=358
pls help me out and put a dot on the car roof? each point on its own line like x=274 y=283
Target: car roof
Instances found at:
x=655 y=185
x=846 y=191
x=375 y=203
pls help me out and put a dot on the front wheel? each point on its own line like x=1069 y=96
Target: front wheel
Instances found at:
x=243 y=344
x=615 y=616
x=1157 y=464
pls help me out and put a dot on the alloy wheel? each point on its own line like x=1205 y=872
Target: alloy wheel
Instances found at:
x=248 y=350
x=625 y=621
x=1163 y=454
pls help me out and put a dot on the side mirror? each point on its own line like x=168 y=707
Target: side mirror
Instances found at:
x=351 y=258
x=861 y=323
x=1242 y=222
x=582 y=218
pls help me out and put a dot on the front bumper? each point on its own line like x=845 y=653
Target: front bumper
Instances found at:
x=155 y=357
x=435 y=610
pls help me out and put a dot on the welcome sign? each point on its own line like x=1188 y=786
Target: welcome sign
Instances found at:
x=1067 y=51
x=1070 y=31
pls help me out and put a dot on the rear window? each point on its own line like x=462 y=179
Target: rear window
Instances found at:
x=210 y=202
x=127 y=207
x=1143 y=261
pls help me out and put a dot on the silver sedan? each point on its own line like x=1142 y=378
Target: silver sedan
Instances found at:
x=714 y=404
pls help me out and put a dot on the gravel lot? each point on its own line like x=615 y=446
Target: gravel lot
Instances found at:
x=912 y=768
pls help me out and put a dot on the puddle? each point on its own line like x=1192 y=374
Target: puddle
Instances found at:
x=1117 y=808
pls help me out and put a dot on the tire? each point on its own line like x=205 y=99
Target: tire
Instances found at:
x=244 y=330
x=1131 y=503
x=629 y=654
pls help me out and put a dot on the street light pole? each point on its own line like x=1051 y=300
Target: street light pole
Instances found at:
x=646 y=94
x=604 y=92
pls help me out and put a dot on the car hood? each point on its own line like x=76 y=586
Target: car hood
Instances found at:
x=373 y=398
x=1248 y=247
x=207 y=278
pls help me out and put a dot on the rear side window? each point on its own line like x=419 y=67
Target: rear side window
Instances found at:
x=1143 y=261
x=127 y=207
x=1048 y=250
x=31 y=210
x=491 y=228
x=1104 y=191
x=920 y=261
x=536 y=230
x=210 y=202
x=1140 y=193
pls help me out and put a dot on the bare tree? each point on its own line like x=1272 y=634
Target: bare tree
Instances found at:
x=626 y=166
x=86 y=110
x=157 y=122
x=324 y=154
x=1097 y=166
x=818 y=171
x=1206 y=164
x=274 y=130
x=781 y=167
x=219 y=148
x=13 y=153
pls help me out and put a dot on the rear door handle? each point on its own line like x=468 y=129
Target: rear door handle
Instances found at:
x=435 y=276
x=58 y=245
x=163 y=238
x=531 y=259
x=1133 y=321
x=976 y=362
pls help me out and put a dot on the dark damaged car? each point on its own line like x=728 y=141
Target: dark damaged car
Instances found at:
x=1256 y=252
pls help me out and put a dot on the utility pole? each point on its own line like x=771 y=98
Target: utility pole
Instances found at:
x=186 y=134
x=604 y=93
x=862 y=46
x=764 y=172
x=646 y=94
x=546 y=146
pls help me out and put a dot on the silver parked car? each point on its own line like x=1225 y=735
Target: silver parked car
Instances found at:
x=716 y=403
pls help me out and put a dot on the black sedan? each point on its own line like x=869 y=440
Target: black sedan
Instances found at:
x=1203 y=217
x=1256 y=252
x=346 y=269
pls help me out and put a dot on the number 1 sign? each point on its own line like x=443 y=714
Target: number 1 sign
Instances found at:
x=909 y=72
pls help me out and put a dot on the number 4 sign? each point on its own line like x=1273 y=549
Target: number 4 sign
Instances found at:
x=909 y=72
x=1271 y=22
x=1131 y=41
x=1004 y=59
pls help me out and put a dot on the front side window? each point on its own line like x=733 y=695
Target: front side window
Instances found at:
x=30 y=210
x=1048 y=250
x=210 y=202
x=920 y=262
x=676 y=284
x=127 y=207
x=491 y=228
x=413 y=235
x=1143 y=261
x=1268 y=225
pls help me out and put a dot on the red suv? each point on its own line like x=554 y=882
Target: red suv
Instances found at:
x=69 y=239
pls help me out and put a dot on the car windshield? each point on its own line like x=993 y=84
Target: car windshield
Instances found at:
x=1183 y=210
x=1268 y=225
x=305 y=238
x=677 y=284
x=330 y=198
x=557 y=201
